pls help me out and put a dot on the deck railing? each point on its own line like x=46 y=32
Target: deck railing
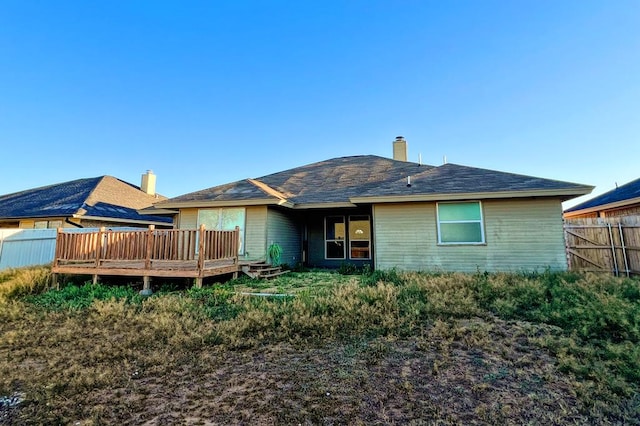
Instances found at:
x=148 y=245
x=147 y=250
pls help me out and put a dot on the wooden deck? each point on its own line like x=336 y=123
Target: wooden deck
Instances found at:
x=180 y=253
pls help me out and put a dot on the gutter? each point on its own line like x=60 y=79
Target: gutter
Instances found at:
x=225 y=203
x=141 y=222
x=570 y=193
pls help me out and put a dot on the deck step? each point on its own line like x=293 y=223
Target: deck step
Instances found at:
x=262 y=270
x=261 y=265
x=274 y=274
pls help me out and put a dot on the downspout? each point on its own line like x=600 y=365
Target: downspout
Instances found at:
x=77 y=225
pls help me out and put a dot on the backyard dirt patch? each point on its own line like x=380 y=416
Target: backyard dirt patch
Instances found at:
x=449 y=375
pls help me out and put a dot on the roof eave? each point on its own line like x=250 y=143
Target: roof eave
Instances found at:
x=333 y=205
x=608 y=206
x=35 y=216
x=564 y=194
x=225 y=203
x=115 y=219
x=157 y=212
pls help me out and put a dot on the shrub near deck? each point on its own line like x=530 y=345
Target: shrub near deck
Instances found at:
x=380 y=348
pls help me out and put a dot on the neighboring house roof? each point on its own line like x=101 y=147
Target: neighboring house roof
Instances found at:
x=104 y=198
x=625 y=195
x=346 y=181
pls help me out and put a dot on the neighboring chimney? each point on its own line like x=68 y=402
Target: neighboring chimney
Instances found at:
x=400 y=149
x=148 y=184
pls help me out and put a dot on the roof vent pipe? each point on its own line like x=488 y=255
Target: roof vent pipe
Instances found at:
x=148 y=183
x=400 y=149
x=409 y=180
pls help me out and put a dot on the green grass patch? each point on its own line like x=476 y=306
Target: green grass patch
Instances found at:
x=599 y=316
x=291 y=283
x=74 y=298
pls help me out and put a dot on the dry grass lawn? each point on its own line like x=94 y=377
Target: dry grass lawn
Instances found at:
x=387 y=349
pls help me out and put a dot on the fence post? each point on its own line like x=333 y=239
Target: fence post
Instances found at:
x=613 y=251
x=624 y=249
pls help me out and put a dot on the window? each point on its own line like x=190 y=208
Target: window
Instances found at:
x=44 y=224
x=460 y=223
x=224 y=219
x=359 y=237
x=334 y=237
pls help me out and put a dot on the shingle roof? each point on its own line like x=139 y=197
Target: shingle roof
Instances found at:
x=456 y=179
x=628 y=191
x=341 y=180
x=240 y=190
x=102 y=196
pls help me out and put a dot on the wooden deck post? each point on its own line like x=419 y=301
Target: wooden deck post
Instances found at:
x=58 y=250
x=235 y=247
x=147 y=257
x=98 y=251
x=56 y=257
x=201 y=255
x=99 y=245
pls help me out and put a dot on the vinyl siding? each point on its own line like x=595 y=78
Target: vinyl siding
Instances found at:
x=188 y=219
x=284 y=230
x=256 y=233
x=520 y=235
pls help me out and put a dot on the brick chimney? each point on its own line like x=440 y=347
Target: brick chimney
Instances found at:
x=400 y=149
x=148 y=184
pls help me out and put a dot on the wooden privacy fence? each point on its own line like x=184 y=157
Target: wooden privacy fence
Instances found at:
x=604 y=245
x=196 y=253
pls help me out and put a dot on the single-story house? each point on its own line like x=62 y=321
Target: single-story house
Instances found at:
x=390 y=213
x=621 y=201
x=91 y=202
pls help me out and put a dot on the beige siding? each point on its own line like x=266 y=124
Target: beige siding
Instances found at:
x=520 y=235
x=256 y=233
x=188 y=219
x=282 y=229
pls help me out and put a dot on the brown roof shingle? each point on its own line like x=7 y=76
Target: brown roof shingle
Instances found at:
x=340 y=180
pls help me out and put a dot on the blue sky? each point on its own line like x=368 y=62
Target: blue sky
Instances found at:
x=210 y=92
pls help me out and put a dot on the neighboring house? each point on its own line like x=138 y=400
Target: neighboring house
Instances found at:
x=622 y=201
x=92 y=202
x=390 y=213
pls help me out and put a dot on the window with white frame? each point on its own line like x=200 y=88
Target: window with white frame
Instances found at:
x=460 y=223
x=334 y=237
x=359 y=237
x=224 y=219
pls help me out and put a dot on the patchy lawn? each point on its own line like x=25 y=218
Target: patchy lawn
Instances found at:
x=291 y=283
x=375 y=349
